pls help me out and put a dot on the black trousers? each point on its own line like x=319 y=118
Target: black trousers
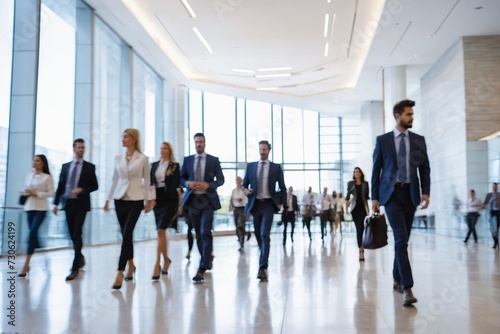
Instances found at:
x=75 y=217
x=127 y=212
x=288 y=218
x=495 y=224
x=471 y=223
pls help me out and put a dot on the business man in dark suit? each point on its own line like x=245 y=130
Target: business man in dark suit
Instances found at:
x=201 y=175
x=399 y=161
x=264 y=200
x=289 y=210
x=492 y=203
x=76 y=181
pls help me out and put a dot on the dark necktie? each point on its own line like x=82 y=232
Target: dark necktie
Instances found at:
x=260 y=179
x=402 y=159
x=70 y=183
x=197 y=172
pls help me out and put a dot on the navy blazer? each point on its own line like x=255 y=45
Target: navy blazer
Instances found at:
x=275 y=176
x=385 y=168
x=213 y=176
x=172 y=181
x=87 y=181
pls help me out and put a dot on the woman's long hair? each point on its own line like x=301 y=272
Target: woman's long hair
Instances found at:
x=136 y=135
x=362 y=174
x=45 y=167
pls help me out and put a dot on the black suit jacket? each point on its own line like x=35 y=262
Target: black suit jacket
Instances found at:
x=172 y=181
x=87 y=181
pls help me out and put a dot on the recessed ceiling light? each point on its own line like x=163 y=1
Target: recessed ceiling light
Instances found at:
x=202 y=39
x=188 y=8
x=327 y=21
x=326 y=49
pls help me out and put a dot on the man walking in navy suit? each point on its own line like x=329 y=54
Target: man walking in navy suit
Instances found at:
x=76 y=181
x=401 y=172
x=201 y=175
x=264 y=200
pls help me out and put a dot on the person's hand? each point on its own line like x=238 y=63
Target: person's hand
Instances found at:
x=55 y=209
x=106 y=206
x=425 y=202
x=375 y=206
x=31 y=192
x=248 y=191
x=279 y=207
x=202 y=186
x=75 y=192
x=150 y=204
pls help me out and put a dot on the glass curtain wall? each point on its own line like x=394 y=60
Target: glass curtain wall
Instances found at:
x=6 y=33
x=55 y=102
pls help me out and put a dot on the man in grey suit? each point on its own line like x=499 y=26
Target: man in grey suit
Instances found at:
x=492 y=202
x=76 y=182
x=264 y=200
x=201 y=175
x=400 y=172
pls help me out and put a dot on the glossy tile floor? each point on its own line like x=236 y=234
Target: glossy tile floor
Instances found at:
x=313 y=287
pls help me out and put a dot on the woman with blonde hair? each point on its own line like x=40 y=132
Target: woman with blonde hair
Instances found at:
x=165 y=177
x=132 y=192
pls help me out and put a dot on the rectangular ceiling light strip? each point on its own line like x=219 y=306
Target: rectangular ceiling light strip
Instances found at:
x=202 y=39
x=188 y=8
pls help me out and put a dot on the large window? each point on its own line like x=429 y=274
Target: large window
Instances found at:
x=6 y=30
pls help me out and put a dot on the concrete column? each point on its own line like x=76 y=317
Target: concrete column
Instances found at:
x=394 y=91
x=180 y=112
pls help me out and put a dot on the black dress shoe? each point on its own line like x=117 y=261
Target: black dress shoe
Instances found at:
x=262 y=275
x=198 y=278
x=82 y=262
x=408 y=297
x=397 y=286
x=72 y=275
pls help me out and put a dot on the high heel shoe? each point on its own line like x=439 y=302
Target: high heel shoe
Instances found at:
x=165 y=270
x=157 y=277
x=131 y=277
x=361 y=255
x=118 y=283
x=24 y=273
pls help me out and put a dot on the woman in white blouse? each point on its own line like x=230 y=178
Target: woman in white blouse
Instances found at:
x=39 y=187
x=165 y=178
x=131 y=192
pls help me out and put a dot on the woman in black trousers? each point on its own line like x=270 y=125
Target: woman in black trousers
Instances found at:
x=132 y=192
x=357 y=204
x=165 y=178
